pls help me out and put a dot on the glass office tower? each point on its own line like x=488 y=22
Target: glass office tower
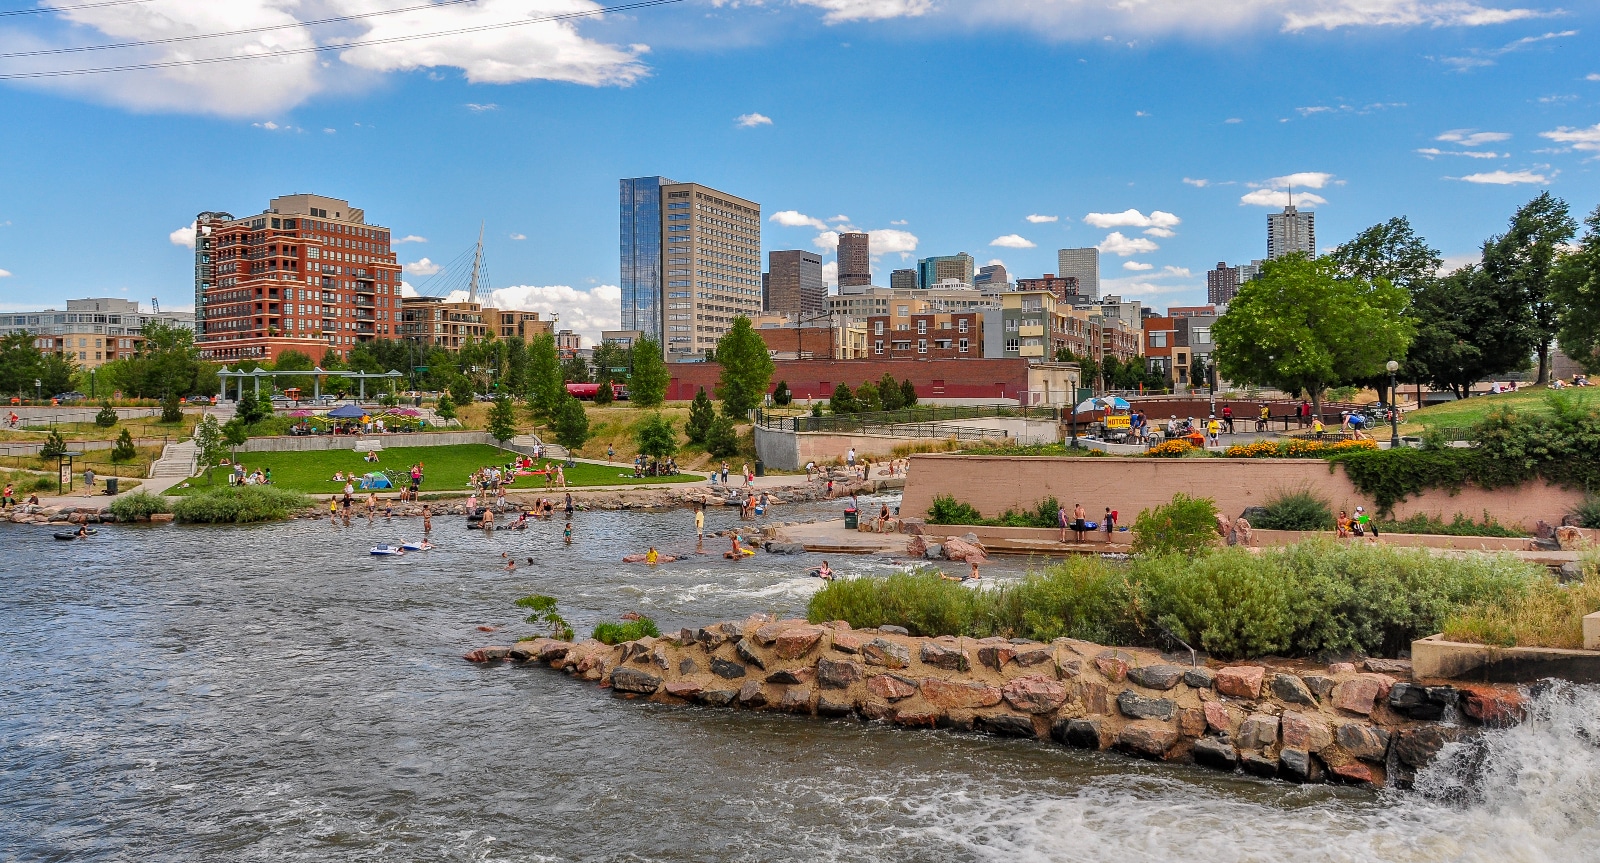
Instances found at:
x=640 y=200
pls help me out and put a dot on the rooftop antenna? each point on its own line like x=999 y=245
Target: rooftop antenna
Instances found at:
x=1291 y=196
x=477 y=261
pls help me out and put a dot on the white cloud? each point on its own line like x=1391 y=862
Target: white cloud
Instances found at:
x=1503 y=178
x=1472 y=137
x=1037 y=219
x=5 y=274
x=1132 y=219
x=752 y=119
x=868 y=10
x=480 y=107
x=1137 y=266
x=410 y=238
x=519 y=236
x=1430 y=152
x=184 y=236
x=888 y=241
x=1177 y=272
x=1592 y=76
x=843 y=218
x=1160 y=232
x=331 y=131
x=1579 y=139
x=585 y=312
x=1084 y=19
x=827 y=241
x=1304 y=180
x=1332 y=14
x=995 y=262
x=1479 y=57
x=423 y=267
x=1116 y=244
x=1198 y=184
x=1013 y=241
x=1280 y=198
x=1233 y=120
x=1141 y=113
x=899 y=222
x=797 y=219
x=546 y=50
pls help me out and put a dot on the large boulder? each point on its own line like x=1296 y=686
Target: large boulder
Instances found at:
x=1137 y=706
x=1422 y=702
x=948 y=658
x=839 y=673
x=995 y=656
x=891 y=687
x=1216 y=754
x=1082 y=733
x=1291 y=689
x=635 y=681
x=959 y=695
x=1300 y=766
x=747 y=652
x=1305 y=731
x=1241 y=681
x=1200 y=678
x=793 y=676
x=1360 y=693
x=1006 y=725
x=881 y=651
x=1417 y=746
x=1161 y=677
x=685 y=689
x=1366 y=742
x=796 y=642
x=1221 y=718
x=725 y=669
x=1259 y=731
x=1147 y=739
x=752 y=695
x=1034 y=694
x=1492 y=706
x=1028 y=657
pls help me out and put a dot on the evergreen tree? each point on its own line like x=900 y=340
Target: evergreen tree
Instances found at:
x=171 y=409
x=250 y=409
x=746 y=369
x=545 y=383
x=843 y=401
x=571 y=423
x=701 y=414
x=124 y=450
x=54 y=445
x=889 y=393
x=107 y=417
x=575 y=370
x=722 y=439
x=656 y=437
x=446 y=408
x=647 y=388
x=867 y=397
x=781 y=396
x=908 y=394
x=603 y=395
x=502 y=419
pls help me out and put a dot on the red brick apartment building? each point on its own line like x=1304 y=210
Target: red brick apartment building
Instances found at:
x=928 y=335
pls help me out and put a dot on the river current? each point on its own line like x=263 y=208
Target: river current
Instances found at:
x=275 y=693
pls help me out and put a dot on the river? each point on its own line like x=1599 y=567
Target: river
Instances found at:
x=274 y=693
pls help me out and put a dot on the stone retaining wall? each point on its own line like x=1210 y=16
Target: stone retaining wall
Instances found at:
x=1366 y=726
x=318 y=443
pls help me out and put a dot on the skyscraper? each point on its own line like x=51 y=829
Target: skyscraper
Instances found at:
x=794 y=283
x=691 y=262
x=1083 y=265
x=1291 y=231
x=992 y=278
x=902 y=279
x=855 y=260
x=1223 y=283
x=931 y=271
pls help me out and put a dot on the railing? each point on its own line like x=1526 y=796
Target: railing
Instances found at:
x=881 y=420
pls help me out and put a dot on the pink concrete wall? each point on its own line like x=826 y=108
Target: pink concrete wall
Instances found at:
x=994 y=483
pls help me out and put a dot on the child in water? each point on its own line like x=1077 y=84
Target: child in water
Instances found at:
x=567 y=535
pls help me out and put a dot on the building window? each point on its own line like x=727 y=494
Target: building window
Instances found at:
x=963 y=346
x=1011 y=325
x=902 y=311
x=877 y=328
x=962 y=325
x=877 y=346
x=1013 y=345
x=922 y=346
x=922 y=327
x=1158 y=339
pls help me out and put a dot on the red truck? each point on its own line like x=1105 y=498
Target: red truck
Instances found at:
x=586 y=391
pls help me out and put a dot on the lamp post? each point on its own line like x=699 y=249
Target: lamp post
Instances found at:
x=91 y=385
x=1394 y=412
x=38 y=390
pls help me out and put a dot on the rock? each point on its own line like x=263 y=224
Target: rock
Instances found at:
x=933 y=551
x=685 y=689
x=1570 y=571
x=917 y=718
x=766 y=634
x=1147 y=739
x=1081 y=733
x=1216 y=754
x=1259 y=731
x=1290 y=688
x=1257 y=764
x=751 y=695
x=881 y=651
x=1200 y=678
x=1096 y=697
x=891 y=687
x=839 y=673
x=1161 y=677
x=718 y=697
x=939 y=656
x=1137 y=706
x=1304 y=731
x=1300 y=766
x=1320 y=685
x=1114 y=668
x=797 y=700
x=792 y=676
x=1241 y=681
x=488 y=654
x=1067 y=669
x=687 y=666
x=1191 y=721
x=995 y=656
x=833 y=709
x=658 y=657
x=1220 y=718
x=1366 y=742
x=875 y=711
x=1033 y=656
x=709 y=638
x=1493 y=707
x=1339 y=668
x=953 y=695
x=847 y=642
x=1417 y=746
x=1034 y=694
x=1007 y=725
x=1421 y=702
x=796 y=642
x=775 y=547
x=964 y=549
x=748 y=653
x=725 y=669
x=634 y=680
x=1358 y=695
x=1354 y=772
x=1389 y=666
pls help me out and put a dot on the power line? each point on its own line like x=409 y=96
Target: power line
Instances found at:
x=7 y=13
x=317 y=49
x=140 y=43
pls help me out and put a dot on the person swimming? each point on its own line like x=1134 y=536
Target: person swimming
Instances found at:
x=824 y=572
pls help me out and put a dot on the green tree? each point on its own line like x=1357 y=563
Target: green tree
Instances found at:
x=515 y=373
x=171 y=409
x=54 y=445
x=647 y=388
x=293 y=361
x=1390 y=251
x=123 y=450
x=545 y=384
x=843 y=401
x=908 y=394
x=571 y=423
x=889 y=395
x=701 y=414
x=446 y=407
x=746 y=369
x=656 y=437
x=1522 y=263
x=781 y=396
x=234 y=433
x=210 y=443
x=611 y=362
x=575 y=370
x=167 y=362
x=502 y=419
x=20 y=365
x=252 y=409
x=1577 y=294
x=461 y=390
x=1187 y=526
x=603 y=394
x=867 y=397
x=1466 y=330
x=107 y=417
x=722 y=439
x=1300 y=327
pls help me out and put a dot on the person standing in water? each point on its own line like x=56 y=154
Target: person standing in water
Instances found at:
x=427 y=519
x=566 y=535
x=700 y=527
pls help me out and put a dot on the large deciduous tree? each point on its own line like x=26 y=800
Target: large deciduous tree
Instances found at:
x=1300 y=326
x=1392 y=252
x=647 y=387
x=502 y=419
x=1521 y=263
x=1577 y=295
x=746 y=369
x=545 y=384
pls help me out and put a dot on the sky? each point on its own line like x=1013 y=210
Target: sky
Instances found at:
x=1161 y=131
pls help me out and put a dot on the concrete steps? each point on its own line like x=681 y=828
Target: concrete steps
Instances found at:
x=177 y=460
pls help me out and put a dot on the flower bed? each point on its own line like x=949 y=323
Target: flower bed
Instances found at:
x=1169 y=449
x=1298 y=448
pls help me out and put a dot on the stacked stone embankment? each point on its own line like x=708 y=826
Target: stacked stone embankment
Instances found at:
x=1366 y=725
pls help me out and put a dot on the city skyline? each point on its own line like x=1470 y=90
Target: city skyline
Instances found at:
x=1449 y=117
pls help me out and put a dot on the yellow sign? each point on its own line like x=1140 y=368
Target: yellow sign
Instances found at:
x=1119 y=421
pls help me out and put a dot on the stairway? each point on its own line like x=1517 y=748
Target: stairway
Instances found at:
x=525 y=444
x=177 y=460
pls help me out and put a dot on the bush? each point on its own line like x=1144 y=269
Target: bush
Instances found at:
x=243 y=504
x=781 y=396
x=656 y=437
x=633 y=630
x=948 y=510
x=1546 y=614
x=923 y=602
x=139 y=506
x=107 y=417
x=54 y=445
x=1588 y=512
x=123 y=450
x=701 y=416
x=1296 y=510
x=721 y=438
x=171 y=409
x=1169 y=449
x=1461 y=525
x=1187 y=525
x=445 y=409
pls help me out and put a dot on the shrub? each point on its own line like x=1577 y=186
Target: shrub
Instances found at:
x=1043 y=514
x=843 y=401
x=701 y=415
x=1296 y=510
x=54 y=445
x=1187 y=525
x=123 y=450
x=138 y=506
x=1588 y=512
x=107 y=417
x=1169 y=449
x=239 y=505
x=923 y=602
x=782 y=395
x=1547 y=614
x=446 y=408
x=948 y=510
x=1461 y=525
x=543 y=612
x=721 y=437
x=1298 y=448
x=171 y=409
x=604 y=395
x=633 y=630
x=656 y=437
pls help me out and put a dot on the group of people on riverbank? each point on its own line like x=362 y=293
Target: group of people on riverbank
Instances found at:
x=1080 y=525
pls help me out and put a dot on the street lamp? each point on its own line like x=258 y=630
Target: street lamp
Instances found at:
x=91 y=385
x=38 y=390
x=1394 y=411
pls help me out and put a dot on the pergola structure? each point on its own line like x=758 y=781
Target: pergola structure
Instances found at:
x=317 y=373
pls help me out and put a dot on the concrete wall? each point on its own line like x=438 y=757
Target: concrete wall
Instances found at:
x=994 y=483
x=318 y=443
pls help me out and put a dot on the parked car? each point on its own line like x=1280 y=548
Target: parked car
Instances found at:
x=70 y=397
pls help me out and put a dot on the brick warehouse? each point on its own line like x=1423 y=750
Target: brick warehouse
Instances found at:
x=816 y=379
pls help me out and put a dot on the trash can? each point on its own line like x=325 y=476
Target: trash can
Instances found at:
x=850 y=520
x=416 y=401
x=111 y=485
x=761 y=469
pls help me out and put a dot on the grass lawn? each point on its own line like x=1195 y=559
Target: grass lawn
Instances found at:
x=1468 y=412
x=446 y=468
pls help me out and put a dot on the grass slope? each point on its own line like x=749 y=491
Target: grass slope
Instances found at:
x=1468 y=412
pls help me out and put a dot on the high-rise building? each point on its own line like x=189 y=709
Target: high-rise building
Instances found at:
x=1083 y=265
x=903 y=279
x=794 y=283
x=307 y=274
x=855 y=259
x=931 y=271
x=1061 y=286
x=691 y=262
x=992 y=278
x=1291 y=231
x=1223 y=283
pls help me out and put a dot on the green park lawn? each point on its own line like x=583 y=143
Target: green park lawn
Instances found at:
x=445 y=469
x=1468 y=412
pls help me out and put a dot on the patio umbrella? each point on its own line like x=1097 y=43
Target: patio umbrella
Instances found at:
x=347 y=412
x=1088 y=406
x=301 y=414
x=1116 y=403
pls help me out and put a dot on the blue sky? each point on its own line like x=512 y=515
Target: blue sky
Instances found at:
x=939 y=125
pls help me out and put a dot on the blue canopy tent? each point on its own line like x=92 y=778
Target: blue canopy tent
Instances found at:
x=347 y=412
x=376 y=480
